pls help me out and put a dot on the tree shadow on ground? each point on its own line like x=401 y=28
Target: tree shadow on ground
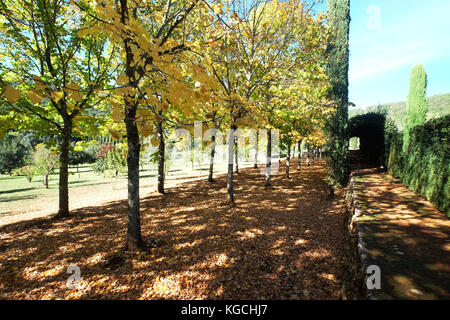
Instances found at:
x=406 y=237
x=16 y=190
x=16 y=198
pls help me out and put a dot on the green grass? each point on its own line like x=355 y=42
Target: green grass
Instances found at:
x=14 y=188
x=17 y=188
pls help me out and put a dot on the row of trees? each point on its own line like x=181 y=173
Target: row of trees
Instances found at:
x=140 y=69
x=15 y=157
x=25 y=154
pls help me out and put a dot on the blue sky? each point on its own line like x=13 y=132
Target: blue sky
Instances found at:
x=387 y=38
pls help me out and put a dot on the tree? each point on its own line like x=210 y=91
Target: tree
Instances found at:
x=337 y=70
x=28 y=171
x=212 y=113
x=258 y=44
x=293 y=39
x=417 y=108
x=49 y=75
x=115 y=160
x=158 y=48
x=12 y=154
x=45 y=161
x=226 y=66
x=161 y=154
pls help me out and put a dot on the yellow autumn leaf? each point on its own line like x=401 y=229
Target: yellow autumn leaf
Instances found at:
x=12 y=94
x=73 y=86
x=41 y=86
x=122 y=80
x=57 y=95
x=146 y=130
x=83 y=32
x=154 y=141
x=37 y=79
x=115 y=134
x=34 y=97
x=122 y=91
x=76 y=96
x=116 y=113
x=144 y=114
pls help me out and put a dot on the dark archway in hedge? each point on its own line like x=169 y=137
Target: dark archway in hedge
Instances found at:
x=369 y=128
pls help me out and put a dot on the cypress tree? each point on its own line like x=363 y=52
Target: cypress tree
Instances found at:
x=416 y=111
x=337 y=70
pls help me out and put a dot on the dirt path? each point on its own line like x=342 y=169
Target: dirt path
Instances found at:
x=406 y=236
x=283 y=242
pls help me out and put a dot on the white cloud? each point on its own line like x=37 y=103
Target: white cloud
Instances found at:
x=399 y=57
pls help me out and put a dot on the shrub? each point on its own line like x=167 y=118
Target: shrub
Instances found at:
x=80 y=157
x=104 y=149
x=111 y=159
x=116 y=161
x=28 y=171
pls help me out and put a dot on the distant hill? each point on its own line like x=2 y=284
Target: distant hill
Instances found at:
x=438 y=106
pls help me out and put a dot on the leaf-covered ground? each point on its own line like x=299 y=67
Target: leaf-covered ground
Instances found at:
x=283 y=242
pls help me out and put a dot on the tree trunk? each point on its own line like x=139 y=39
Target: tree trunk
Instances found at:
x=236 y=154
x=230 y=178
x=46 y=181
x=308 y=155
x=269 y=157
x=134 y=238
x=288 y=161
x=299 y=160
x=64 y=170
x=211 y=159
x=161 y=158
x=256 y=150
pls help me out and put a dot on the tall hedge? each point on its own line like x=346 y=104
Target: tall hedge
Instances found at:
x=337 y=70
x=416 y=109
x=425 y=166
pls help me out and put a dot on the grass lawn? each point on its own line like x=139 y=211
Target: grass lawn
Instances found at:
x=13 y=188
x=86 y=188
